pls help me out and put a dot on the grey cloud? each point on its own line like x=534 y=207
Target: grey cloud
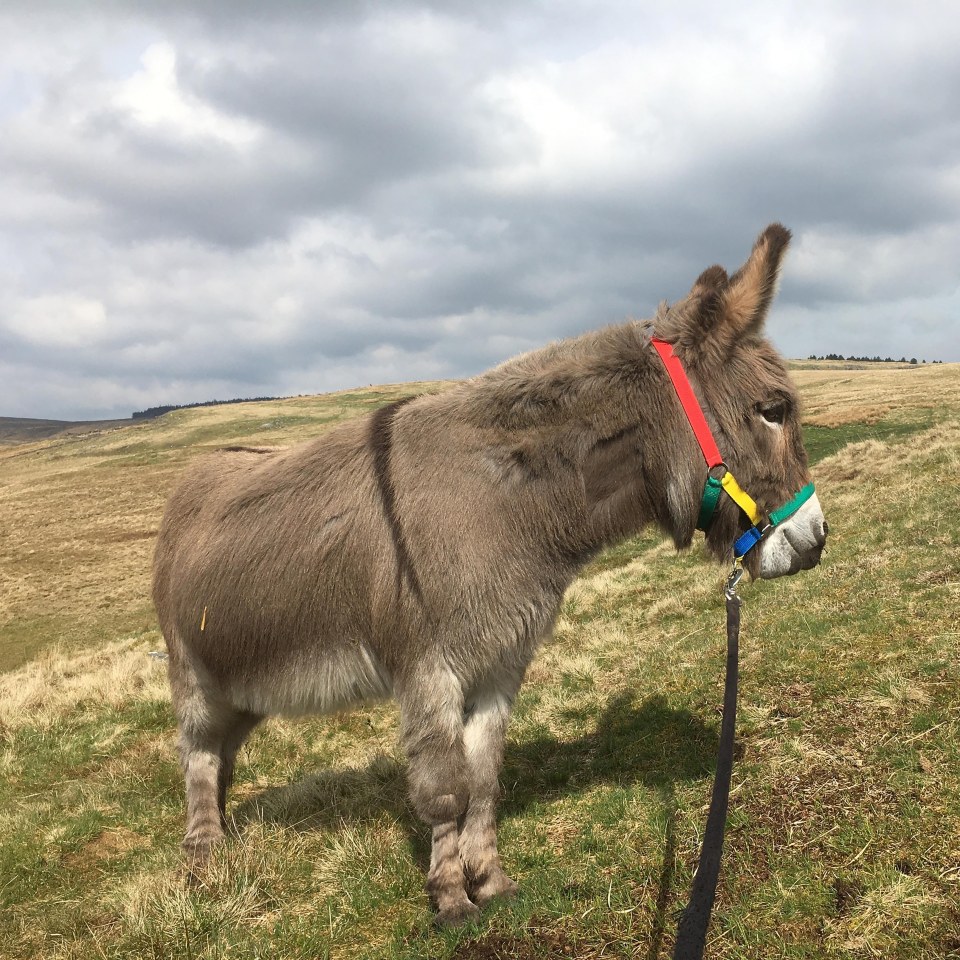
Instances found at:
x=343 y=112
x=399 y=211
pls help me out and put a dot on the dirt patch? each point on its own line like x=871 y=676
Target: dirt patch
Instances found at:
x=937 y=577
x=547 y=939
x=847 y=894
x=107 y=845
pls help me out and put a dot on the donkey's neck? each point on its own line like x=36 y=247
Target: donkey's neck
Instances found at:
x=588 y=427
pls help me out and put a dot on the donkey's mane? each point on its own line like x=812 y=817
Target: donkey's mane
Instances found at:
x=543 y=386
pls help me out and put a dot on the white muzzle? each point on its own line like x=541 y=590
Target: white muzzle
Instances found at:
x=795 y=544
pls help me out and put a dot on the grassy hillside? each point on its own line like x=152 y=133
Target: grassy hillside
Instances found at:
x=844 y=834
x=29 y=429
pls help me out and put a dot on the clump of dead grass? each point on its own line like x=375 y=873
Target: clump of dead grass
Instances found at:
x=354 y=855
x=240 y=886
x=896 y=694
x=57 y=684
x=877 y=920
x=877 y=460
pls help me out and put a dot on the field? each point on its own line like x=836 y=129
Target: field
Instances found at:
x=844 y=831
x=26 y=429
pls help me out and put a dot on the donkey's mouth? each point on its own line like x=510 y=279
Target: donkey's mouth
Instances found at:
x=786 y=562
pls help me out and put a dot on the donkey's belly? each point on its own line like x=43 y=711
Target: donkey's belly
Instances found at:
x=314 y=681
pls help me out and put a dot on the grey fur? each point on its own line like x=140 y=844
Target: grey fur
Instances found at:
x=423 y=551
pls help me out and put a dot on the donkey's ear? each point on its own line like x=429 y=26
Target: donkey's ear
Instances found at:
x=706 y=296
x=746 y=298
x=686 y=322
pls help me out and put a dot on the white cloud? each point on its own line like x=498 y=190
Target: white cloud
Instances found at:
x=60 y=320
x=844 y=265
x=153 y=98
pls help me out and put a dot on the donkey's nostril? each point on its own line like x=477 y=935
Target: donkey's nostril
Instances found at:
x=822 y=537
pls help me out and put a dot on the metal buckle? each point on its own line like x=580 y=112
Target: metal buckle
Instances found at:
x=730 y=590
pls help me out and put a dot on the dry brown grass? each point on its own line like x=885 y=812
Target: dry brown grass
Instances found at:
x=56 y=684
x=831 y=396
x=867 y=413
x=875 y=464
x=877 y=921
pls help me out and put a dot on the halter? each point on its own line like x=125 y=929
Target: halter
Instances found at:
x=725 y=480
x=692 y=928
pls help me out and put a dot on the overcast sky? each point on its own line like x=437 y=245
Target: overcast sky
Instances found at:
x=284 y=198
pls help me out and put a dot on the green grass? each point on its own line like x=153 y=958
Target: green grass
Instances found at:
x=822 y=442
x=845 y=816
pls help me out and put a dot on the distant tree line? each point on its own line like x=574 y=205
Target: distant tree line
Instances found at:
x=840 y=356
x=160 y=411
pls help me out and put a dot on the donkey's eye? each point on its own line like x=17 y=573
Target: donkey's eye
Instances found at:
x=773 y=412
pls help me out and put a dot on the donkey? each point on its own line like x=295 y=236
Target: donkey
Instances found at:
x=422 y=551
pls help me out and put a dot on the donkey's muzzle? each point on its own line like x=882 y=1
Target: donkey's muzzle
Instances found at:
x=795 y=544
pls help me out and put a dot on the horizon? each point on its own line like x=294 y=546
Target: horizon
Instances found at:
x=147 y=414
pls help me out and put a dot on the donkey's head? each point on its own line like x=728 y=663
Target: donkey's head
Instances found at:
x=750 y=405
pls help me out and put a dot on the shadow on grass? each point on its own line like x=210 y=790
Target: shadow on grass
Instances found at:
x=667 y=872
x=650 y=743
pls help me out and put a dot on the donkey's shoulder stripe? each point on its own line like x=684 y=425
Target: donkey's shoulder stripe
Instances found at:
x=381 y=440
x=689 y=402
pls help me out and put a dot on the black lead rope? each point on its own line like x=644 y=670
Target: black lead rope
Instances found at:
x=692 y=929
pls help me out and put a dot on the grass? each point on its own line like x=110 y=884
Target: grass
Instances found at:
x=845 y=817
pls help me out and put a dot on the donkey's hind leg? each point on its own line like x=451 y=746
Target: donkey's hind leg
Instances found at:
x=432 y=735
x=211 y=732
x=487 y=717
x=233 y=740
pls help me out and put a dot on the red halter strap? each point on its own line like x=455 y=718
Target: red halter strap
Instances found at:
x=689 y=402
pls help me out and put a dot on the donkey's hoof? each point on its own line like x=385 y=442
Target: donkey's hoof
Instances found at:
x=197 y=854
x=196 y=871
x=457 y=914
x=497 y=885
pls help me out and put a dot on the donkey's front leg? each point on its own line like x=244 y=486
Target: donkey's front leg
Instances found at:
x=488 y=713
x=432 y=733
